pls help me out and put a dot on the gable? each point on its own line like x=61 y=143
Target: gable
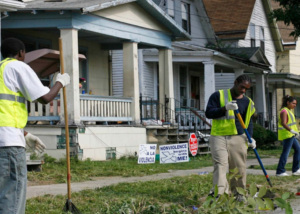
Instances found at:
x=131 y=14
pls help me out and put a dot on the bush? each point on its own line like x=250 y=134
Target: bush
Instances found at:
x=264 y=138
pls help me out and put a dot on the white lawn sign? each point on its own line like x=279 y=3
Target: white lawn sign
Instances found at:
x=174 y=153
x=147 y=153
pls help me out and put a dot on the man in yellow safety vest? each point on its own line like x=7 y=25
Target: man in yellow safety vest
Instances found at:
x=228 y=142
x=18 y=82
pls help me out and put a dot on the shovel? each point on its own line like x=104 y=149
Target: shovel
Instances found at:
x=237 y=113
x=69 y=206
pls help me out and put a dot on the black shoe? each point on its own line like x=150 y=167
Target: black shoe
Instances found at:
x=239 y=198
x=212 y=194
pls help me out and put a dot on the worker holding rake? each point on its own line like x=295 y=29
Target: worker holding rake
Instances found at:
x=228 y=142
x=18 y=82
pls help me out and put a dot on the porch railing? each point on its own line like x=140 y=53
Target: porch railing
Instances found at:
x=40 y=112
x=101 y=108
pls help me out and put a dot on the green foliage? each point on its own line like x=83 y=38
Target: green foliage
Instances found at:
x=264 y=138
x=252 y=201
x=289 y=13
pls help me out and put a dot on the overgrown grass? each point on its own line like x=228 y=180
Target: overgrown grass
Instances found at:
x=172 y=196
x=55 y=172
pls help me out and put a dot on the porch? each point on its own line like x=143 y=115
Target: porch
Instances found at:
x=93 y=109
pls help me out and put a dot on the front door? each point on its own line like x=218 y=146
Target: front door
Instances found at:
x=195 y=92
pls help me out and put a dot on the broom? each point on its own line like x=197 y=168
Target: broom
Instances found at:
x=69 y=206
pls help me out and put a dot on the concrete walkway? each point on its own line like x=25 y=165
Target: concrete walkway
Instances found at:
x=61 y=189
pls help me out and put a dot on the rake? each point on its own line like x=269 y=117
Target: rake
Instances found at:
x=69 y=206
x=237 y=113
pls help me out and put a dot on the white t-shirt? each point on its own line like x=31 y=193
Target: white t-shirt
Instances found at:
x=18 y=76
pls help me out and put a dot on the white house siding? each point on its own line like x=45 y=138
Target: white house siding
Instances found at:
x=117 y=72
x=148 y=79
x=259 y=19
x=224 y=80
x=197 y=33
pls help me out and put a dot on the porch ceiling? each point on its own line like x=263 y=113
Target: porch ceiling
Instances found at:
x=109 y=33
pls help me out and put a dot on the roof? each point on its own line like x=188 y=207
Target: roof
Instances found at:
x=252 y=56
x=289 y=42
x=86 y=6
x=230 y=18
x=284 y=80
x=9 y=5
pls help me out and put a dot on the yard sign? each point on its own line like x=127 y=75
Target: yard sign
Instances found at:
x=147 y=153
x=174 y=153
x=193 y=144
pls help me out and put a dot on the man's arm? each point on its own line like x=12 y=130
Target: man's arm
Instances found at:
x=61 y=81
x=214 y=109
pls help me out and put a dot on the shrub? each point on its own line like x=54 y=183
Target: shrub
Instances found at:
x=264 y=138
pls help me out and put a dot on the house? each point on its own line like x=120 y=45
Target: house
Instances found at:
x=286 y=80
x=211 y=59
x=95 y=28
x=244 y=25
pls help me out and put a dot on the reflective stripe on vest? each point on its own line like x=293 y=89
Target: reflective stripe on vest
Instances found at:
x=282 y=132
x=13 y=112
x=226 y=125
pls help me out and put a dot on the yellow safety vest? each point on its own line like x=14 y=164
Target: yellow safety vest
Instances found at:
x=225 y=125
x=13 y=112
x=282 y=132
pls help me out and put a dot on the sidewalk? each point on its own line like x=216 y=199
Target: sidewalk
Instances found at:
x=61 y=189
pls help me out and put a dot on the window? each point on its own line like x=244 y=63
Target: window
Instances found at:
x=252 y=35
x=185 y=15
x=262 y=38
x=170 y=9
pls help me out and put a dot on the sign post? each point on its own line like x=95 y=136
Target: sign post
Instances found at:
x=193 y=144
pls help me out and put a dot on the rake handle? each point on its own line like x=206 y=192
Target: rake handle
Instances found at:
x=237 y=113
x=62 y=68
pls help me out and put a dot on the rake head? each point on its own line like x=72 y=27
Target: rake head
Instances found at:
x=70 y=207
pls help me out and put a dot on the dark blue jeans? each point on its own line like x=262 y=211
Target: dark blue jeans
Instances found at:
x=13 y=180
x=287 y=145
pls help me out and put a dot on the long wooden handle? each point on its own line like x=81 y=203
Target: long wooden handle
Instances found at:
x=62 y=71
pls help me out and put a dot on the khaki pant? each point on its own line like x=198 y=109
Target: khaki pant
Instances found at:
x=228 y=152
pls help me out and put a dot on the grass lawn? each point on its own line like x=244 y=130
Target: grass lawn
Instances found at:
x=55 y=171
x=172 y=196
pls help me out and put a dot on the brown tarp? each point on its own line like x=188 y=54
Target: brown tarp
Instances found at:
x=45 y=61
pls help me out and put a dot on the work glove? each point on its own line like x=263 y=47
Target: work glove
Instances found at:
x=34 y=143
x=64 y=79
x=253 y=144
x=231 y=106
x=294 y=132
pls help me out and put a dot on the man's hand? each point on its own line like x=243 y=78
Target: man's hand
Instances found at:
x=231 y=106
x=253 y=144
x=294 y=132
x=64 y=79
x=34 y=143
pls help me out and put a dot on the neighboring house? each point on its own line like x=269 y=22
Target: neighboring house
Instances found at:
x=95 y=28
x=201 y=65
x=287 y=78
x=244 y=26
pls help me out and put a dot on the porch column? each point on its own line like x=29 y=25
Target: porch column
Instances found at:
x=209 y=81
x=238 y=72
x=166 y=82
x=260 y=95
x=71 y=66
x=131 y=78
